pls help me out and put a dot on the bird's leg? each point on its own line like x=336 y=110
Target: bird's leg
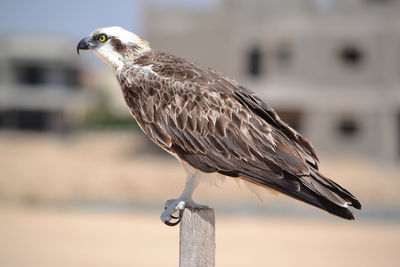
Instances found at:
x=173 y=206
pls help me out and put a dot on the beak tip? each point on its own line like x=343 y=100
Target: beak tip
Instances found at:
x=84 y=44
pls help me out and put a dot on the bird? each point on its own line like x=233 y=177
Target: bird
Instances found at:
x=213 y=125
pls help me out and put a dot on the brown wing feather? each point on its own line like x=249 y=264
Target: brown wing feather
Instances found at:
x=216 y=125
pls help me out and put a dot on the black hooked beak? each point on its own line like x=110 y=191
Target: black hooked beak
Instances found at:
x=85 y=44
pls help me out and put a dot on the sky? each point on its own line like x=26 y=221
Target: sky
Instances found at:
x=75 y=18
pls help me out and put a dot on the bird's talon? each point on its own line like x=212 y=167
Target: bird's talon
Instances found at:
x=174 y=217
x=169 y=223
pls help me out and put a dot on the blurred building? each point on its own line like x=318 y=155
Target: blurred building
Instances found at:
x=39 y=83
x=331 y=68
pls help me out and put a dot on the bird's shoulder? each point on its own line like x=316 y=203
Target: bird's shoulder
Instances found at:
x=175 y=69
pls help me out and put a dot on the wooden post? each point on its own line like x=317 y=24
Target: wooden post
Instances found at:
x=197 y=238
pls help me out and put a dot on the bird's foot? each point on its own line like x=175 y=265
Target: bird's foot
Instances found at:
x=174 y=209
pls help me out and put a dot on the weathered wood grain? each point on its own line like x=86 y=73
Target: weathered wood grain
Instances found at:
x=197 y=238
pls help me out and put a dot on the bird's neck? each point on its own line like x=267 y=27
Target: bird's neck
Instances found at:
x=130 y=55
x=118 y=59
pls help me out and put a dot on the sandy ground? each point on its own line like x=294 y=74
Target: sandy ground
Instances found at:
x=115 y=166
x=43 y=238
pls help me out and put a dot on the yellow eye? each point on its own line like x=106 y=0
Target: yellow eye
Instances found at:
x=102 y=38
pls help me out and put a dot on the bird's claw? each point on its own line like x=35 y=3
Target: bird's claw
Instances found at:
x=171 y=207
x=174 y=206
x=170 y=222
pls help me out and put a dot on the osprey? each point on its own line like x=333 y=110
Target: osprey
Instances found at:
x=212 y=124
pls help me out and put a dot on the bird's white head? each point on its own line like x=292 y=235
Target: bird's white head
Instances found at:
x=114 y=45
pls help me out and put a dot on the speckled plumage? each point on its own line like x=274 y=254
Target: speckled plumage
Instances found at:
x=216 y=125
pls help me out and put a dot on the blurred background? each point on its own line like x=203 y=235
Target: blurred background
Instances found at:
x=80 y=185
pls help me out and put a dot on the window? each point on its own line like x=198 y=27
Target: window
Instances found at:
x=31 y=120
x=255 y=62
x=30 y=74
x=36 y=73
x=25 y=120
x=2 y=120
x=351 y=56
x=348 y=127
